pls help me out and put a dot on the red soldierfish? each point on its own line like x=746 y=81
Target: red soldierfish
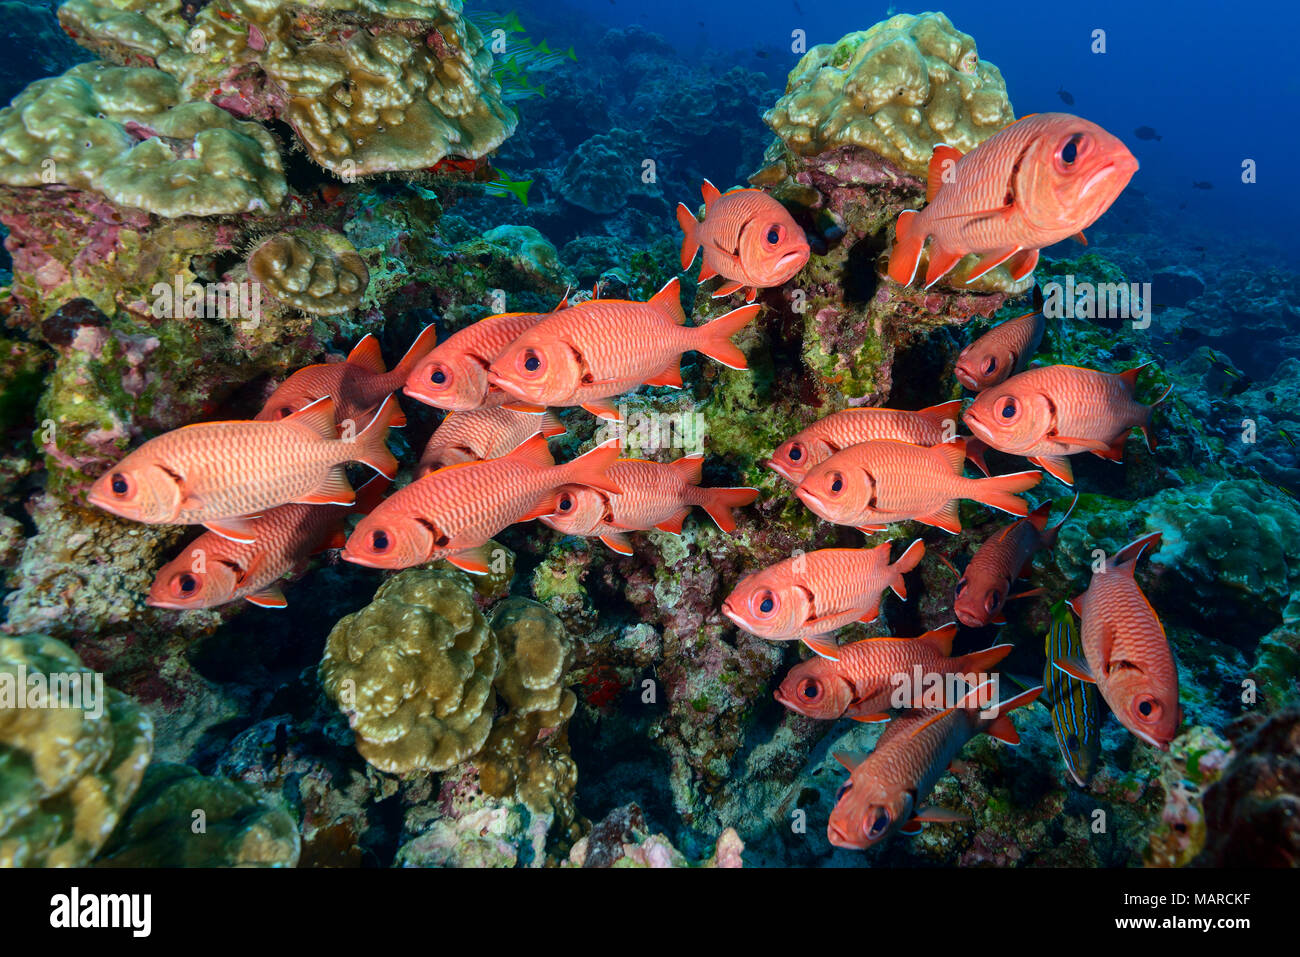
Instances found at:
x=748 y=238
x=214 y=570
x=883 y=481
x=210 y=473
x=1003 y=350
x=1052 y=412
x=886 y=788
x=1126 y=651
x=481 y=434
x=810 y=596
x=654 y=496
x=358 y=386
x=837 y=431
x=452 y=513
x=985 y=585
x=1044 y=178
x=592 y=350
x=862 y=683
x=454 y=375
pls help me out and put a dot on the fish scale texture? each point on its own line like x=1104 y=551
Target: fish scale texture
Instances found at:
x=618 y=340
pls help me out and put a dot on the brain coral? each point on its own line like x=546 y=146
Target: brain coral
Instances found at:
x=182 y=819
x=65 y=776
x=126 y=133
x=369 y=86
x=897 y=89
x=319 y=272
x=413 y=671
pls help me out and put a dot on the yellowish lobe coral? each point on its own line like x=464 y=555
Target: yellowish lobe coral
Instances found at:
x=126 y=132
x=369 y=86
x=898 y=89
x=182 y=819
x=316 y=271
x=413 y=671
x=66 y=776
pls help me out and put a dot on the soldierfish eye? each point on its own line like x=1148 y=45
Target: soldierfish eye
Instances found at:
x=991 y=602
x=380 y=541
x=185 y=583
x=530 y=362
x=796 y=452
x=810 y=689
x=775 y=234
x=440 y=375
x=837 y=482
x=1070 y=151
x=961 y=586
x=119 y=484
x=879 y=823
x=845 y=788
x=566 y=503
x=1007 y=408
x=1148 y=707
x=765 y=603
x=991 y=365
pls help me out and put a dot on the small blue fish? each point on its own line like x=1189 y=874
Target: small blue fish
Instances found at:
x=1075 y=705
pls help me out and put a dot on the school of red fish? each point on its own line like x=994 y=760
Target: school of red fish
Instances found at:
x=274 y=490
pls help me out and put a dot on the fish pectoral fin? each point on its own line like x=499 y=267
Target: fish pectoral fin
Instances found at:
x=603 y=410
x=617 y=542
x=941 y=263
x=242 y=529
x=1030 y=593
x=269 y=597
x=541 y=510
x=939 y=815
x=849 y=760
x=727 y=289
x=335 y=490
x=991 y=261
x=871 y=529
x=1057 y=466
x=871 y=614
x=1076 y=668
x=823 y=647
x=910 y=828
x=1023 y=263
x=476 y=561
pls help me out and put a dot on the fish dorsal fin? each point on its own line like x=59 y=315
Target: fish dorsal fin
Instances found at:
x=940 y=160
x=849 y=760
x=691 y=468
x=1130 y=376
x=943 y=412
x=941 y=638
x=711 y=195
x=1038 y=517
x=367 y=355
x=319 y=417
x=1126 y=558
x=669 y=300
x=534 y=451
x=954 y=453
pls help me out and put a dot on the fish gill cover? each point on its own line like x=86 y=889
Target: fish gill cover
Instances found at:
x=516 y=541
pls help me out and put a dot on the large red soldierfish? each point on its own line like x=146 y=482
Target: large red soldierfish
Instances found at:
x=985 y=585
x=655 y=495
x=357 y=386
x=863 y=683
x=1052 y=412
x=748 y=238
x=1044 y=178
x=213 y=570
x=1126 y=651
x=883 y=481
x=209 y=473
x=592 y=350
x=807 y=597
x=886 y=788
x=815 y=444
x=481 y=434
x=454 y=375
x=453 y=513
x=1002 y=351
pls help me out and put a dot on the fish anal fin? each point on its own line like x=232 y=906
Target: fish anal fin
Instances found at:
x=269 y=597
x=335 y=490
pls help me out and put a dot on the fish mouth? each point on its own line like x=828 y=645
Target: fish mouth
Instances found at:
x=809 y=498
x=165 y=603
x=799 y=257
x=837 y=837
x=1162 y=745
x=978 y=427
x=1106 y=172
x=964 y=376
x=732 y=613
x=781 y=470
x=358 y=559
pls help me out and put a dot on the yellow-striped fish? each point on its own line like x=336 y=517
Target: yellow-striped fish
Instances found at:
x=1075 y=705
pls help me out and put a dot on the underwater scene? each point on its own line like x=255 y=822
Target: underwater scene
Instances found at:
x=610 y=434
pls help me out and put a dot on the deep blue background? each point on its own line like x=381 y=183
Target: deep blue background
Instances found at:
x=1218 y=81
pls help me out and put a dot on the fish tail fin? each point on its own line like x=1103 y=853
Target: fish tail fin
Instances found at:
x=1148 y=432
x=592 y=468
x=714 y=338
x=908 y=243
x=719 y=502
x=421 y=347
x=691 y=242
x=372 y=440
x=979 y=662
x=1000 y=491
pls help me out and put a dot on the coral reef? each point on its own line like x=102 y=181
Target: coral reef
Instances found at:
x=70 y=767
x=413 y=672
x=317 y=272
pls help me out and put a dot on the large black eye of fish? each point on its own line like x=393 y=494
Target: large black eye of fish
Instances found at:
x=766 y=602
x=1146 y=707
x=566 y=503
x=119 y=484
x=532 y=361
x=439 y=377
x=845 y=788
x=1010 y=408
x=379 y=541
x=188 y=583
x=837 y=482
x=991 y=603
x=810 y=690
x=879 y=822
x=1070 y=151
x=991 y=366
x=796 y=453
x=774 y=235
